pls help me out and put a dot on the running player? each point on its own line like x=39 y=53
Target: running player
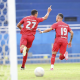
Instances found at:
x=28 y=32
x=61 y=42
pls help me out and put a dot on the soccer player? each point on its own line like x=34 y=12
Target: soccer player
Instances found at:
x=28 y=32
x=61 y=42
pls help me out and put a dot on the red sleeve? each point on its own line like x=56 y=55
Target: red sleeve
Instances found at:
x=69 y=29
x=40 y=19
x=54 y=26
x=22 y=21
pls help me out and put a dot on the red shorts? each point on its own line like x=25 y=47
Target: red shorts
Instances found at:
x=60 y=45
x=27 y=40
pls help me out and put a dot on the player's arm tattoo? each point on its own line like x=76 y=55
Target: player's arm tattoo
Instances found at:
x=71 y=36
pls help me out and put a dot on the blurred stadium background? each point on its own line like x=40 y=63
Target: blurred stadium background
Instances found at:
x=41 y=49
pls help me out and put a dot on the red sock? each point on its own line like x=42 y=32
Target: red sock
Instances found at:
x=21 y=50
x=24 y=60
x=61 y=57
x=53 y=59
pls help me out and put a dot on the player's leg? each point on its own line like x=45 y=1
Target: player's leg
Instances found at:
x=53 y=59
x=66 y=55
x=61 y=57
x=24 y=59
x=54 y=52
x=63 y=53
x=23 y=43
x=29 y=44
x=23 y=49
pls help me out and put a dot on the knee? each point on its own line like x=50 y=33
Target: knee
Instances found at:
x=61 y=57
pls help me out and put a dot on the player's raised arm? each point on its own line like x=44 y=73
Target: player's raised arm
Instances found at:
x=69 y=44
x=47 y=14
x=19 y=25
x=47 y=30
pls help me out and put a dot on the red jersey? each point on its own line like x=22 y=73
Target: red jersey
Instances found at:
x=61 y=29
x=30 y=24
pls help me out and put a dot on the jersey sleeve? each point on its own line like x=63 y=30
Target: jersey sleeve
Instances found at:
x=54 y=26
x=69 y=29
x=22 y=21
x=40 y=19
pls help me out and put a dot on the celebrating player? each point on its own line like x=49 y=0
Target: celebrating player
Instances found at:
x=28 y=31
x=61 y=42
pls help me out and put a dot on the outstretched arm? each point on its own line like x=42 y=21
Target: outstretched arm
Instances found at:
x=69 y=44
x=47 y=30
x=47 y=14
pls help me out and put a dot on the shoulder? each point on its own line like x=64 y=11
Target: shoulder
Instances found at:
x=39 y=19
x=66 y=24
x=27 y=18
x=24 y=18
x=55 y=23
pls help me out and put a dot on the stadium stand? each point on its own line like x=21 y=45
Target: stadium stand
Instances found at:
x=67 y=7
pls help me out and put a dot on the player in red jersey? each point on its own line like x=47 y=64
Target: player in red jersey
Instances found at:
x=61 y=42
x=28 y=32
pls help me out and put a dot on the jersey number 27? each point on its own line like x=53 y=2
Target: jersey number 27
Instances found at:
x=27 y=26
x=63 y=31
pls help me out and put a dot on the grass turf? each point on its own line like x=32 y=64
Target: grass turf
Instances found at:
x=67 y=71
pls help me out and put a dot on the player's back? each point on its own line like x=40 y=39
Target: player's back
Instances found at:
x=30 y=24
x=62 y=29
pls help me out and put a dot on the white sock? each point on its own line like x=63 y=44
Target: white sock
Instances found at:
x=52 y=66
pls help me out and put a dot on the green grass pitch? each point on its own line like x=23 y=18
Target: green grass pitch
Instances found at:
x=66 y=71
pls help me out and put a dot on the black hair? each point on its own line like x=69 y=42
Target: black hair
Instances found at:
x=33 y=12
x=61 y=15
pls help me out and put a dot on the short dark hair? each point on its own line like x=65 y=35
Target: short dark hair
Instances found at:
x=33 y=12
x=61 y=15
